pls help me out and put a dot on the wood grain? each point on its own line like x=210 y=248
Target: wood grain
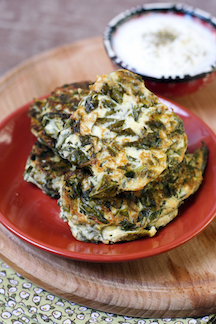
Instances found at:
x=181 y=282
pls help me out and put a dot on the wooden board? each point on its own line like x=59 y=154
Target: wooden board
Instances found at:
x=181 y=282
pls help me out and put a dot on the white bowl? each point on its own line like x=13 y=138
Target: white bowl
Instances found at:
x=172 y=46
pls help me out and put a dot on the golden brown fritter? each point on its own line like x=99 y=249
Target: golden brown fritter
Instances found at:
x=45 y=169
x=49 y=115
x=129 y=215
x=124 y=133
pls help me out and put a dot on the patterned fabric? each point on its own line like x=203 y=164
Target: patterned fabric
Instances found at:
x=23 y=302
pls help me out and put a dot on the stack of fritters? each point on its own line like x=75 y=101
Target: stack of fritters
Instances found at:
x=114 y=155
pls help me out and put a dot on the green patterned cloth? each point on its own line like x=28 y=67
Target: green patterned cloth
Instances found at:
x=23 y=302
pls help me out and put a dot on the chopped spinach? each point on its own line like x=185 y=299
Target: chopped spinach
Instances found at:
x=92 y=212
x=91 y=103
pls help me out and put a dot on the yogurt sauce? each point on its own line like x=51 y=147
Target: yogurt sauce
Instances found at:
x=165 y=45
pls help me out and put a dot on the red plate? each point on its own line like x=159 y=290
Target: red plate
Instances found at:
x=34 y=217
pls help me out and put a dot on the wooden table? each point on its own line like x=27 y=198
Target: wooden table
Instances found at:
x=181 y=282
